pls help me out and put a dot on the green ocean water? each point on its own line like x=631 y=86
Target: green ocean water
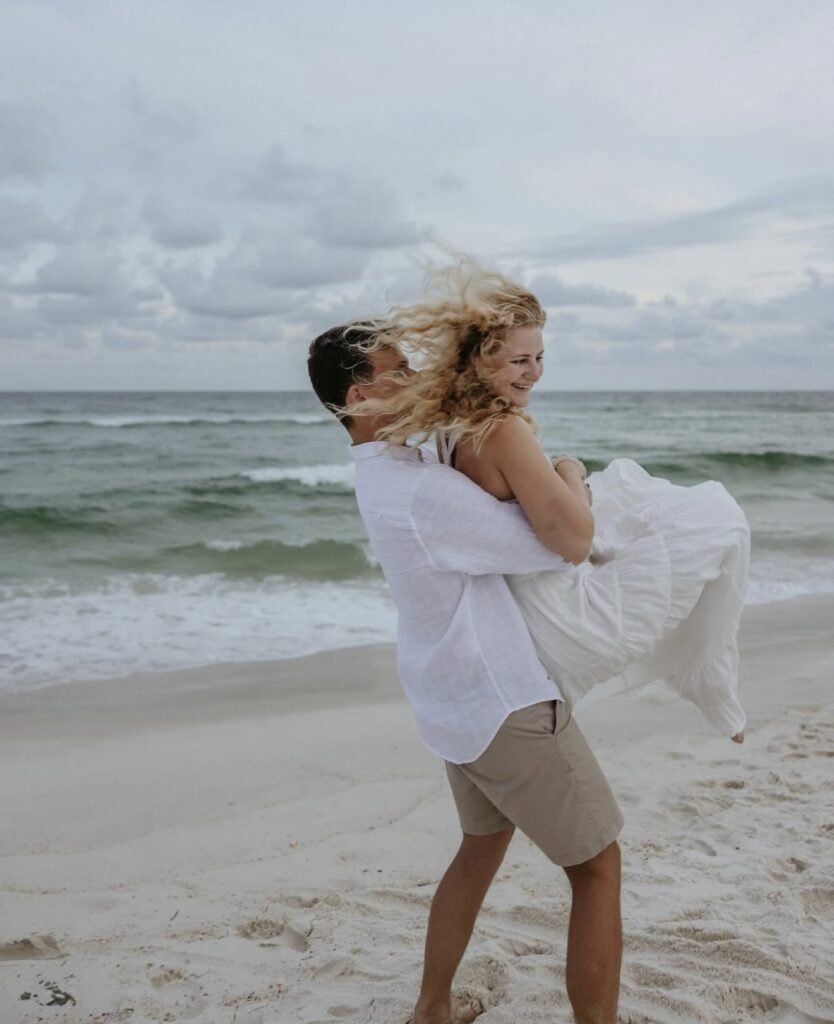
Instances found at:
x=163 y=529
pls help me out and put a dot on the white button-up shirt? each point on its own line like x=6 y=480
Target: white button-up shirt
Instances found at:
x=464 y=655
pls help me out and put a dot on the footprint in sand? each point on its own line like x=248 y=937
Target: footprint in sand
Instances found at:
x=179 y=996
x=522 y=947
x=482 y=982
x=811 y=730
x=649 y=977
x=819 y=903
x=699 y=932
x=740 y=999
x=35 y=948
x=307 y=902
x=165 y=977
x=701 y=846
x=681 y=808
x=264 y=928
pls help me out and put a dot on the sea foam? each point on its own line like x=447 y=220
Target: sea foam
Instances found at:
x=301 y=418
x=65 y=632
x=310 y=476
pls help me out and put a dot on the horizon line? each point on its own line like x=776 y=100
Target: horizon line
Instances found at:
x=304 y=391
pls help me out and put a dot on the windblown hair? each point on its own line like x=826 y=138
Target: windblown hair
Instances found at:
x=454 y=331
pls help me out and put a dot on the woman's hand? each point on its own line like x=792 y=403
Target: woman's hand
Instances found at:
x=571 y=475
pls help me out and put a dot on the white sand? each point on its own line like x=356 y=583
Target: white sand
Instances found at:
x=260 y=844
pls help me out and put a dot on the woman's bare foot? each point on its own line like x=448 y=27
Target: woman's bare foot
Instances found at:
x=739 y=737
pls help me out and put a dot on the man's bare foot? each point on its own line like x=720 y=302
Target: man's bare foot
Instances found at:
x=739 y=737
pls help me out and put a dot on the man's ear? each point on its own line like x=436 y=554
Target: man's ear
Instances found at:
x=353 y=394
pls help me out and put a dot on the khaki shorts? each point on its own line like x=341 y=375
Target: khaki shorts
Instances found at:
x=539 y=775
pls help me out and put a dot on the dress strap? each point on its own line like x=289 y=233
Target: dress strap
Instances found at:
x=446 y=442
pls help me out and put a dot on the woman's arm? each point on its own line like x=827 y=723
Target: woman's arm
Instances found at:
x=554 y=502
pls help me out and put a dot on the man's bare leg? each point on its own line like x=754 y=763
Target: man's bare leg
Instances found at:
x=454 y=910
x=595 y=938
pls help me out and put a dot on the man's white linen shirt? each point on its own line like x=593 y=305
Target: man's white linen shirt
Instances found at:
x=464 y=655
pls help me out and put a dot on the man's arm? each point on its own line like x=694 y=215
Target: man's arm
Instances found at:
x=462 y=528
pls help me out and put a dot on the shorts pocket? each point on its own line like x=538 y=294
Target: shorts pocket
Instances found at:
x=560 y=717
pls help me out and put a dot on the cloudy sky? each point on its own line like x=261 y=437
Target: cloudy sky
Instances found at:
x=190 y=191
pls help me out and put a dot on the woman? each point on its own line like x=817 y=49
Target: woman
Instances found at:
x=660 y=569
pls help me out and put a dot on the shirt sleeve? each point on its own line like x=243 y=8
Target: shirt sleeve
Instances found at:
x=463 y=528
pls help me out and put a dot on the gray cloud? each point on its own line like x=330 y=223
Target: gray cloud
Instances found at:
x=342 y=210
x=218 y=295
x=23 y=221
x=104 y=212
x=276 y=179
x=270 y=271
x=122 y=339
x=363 y=214
x=285 y=261
x=27 y=137
x=255 y=280
x=155 y=129
x=452 y=183
x=178 y=224
x=79 y=268
x=810 y=302
x=797 y=325
x=813 y=300
x=804 y=198
x=95 y=313
x=553 y=291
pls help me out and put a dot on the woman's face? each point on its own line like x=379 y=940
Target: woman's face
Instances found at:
x=518 y=365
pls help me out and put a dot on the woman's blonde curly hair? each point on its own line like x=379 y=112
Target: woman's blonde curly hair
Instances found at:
x=462 y=322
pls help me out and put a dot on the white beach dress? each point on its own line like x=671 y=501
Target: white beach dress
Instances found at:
x=659 y=599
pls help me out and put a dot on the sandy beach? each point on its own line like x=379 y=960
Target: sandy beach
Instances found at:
x=254 y=844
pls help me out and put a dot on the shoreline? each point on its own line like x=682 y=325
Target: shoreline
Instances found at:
x=368 y=667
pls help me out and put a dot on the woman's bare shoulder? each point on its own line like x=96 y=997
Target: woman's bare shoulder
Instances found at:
x=510 y=433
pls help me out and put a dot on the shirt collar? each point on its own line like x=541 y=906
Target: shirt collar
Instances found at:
x=368 y=449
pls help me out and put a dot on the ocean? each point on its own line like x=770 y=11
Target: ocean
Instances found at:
x=147 y=531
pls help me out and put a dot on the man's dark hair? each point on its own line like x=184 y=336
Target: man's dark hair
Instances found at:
x=336 y=361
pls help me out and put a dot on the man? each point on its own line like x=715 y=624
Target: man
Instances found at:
x=482 y=700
